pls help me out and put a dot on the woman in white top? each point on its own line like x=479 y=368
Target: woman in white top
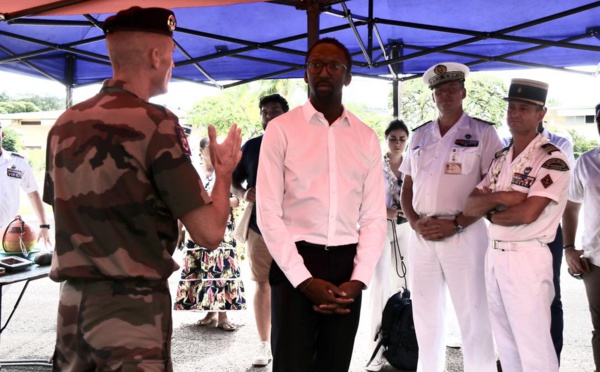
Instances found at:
x=390 y=273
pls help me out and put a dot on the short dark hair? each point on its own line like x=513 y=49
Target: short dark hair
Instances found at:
x=274 y=98
x=597 y=109
x=395 y=125
x=203 y=142
x=336 y=42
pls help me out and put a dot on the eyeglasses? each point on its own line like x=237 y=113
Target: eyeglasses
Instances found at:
x=333 y=68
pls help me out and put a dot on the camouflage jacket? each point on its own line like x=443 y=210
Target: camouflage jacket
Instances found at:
x=118 y=175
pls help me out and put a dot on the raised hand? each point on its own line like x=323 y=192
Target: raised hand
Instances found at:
x=225 y=156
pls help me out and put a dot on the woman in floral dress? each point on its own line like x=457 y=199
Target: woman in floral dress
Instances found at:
x=210 y=280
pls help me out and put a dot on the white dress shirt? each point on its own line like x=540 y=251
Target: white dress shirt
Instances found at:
x=585 y=188
x=322 y=184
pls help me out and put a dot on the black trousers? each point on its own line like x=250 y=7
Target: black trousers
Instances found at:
x=301 y=339
x=556 y=310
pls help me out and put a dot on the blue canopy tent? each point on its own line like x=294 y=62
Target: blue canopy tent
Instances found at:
x=248 y=40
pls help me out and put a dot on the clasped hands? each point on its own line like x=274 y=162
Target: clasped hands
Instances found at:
x=328 y=298
x=434 y=229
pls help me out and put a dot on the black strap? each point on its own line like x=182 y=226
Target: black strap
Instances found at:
x=379 y=344
x=398 y=254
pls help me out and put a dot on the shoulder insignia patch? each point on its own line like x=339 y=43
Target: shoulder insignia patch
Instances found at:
x=17 y=155
x=181 y=137
x=502 y=152
x=550 y=147
x=547 y=181
x=422 y=125
x=485 y=121
x=556 y=164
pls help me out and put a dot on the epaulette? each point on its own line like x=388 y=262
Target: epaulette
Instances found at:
x=17 y=155
x=502 y=152
x=422 y=125
x=550 y=148
x=485 y=121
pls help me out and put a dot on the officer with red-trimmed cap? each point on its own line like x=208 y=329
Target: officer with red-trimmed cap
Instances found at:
x=523 y=196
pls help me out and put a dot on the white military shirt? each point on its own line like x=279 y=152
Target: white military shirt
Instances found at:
x=436 y=190
x=585 y=188
x=541 y=169
x=15 y=174
x=561 y=142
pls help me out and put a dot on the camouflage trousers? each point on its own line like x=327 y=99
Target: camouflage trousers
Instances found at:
x=114 y=326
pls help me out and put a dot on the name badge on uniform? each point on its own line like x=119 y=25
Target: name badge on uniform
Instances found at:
x=453 y=168
x=466 y=143
x=14 y=173
x=522 y=180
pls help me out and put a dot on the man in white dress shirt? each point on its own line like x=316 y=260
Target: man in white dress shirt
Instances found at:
x=321 y=210
x=584 y=188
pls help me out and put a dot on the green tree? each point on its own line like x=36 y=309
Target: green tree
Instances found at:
x=239 y=105
x=230 y=106
x=581 y=144
x=46 y=103
x=11 y=141
x=10 y=107
x=484 y=100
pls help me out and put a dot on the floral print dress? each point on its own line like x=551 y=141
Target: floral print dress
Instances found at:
x=210 y=280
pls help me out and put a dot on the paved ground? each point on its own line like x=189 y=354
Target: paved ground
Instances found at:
x=31 y=334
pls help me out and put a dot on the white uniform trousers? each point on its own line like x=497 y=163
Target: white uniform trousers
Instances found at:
x=520 y=291
x=456 y=263
x=386 y=281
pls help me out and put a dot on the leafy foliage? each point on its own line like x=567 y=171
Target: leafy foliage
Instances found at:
x=239 y=105
x=581 y=144
x=11 y=141
x=32 y=103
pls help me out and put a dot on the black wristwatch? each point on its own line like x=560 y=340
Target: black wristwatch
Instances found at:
x=45 y=226
x=457 y=227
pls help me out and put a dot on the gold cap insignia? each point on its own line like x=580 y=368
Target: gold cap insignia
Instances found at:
x=171 y=23
x=440 y=69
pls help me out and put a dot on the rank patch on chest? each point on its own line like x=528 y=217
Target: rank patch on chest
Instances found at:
x=556 y=164
x=14 y=173
x=547 y=181
x=522 y=180
x=466 y=143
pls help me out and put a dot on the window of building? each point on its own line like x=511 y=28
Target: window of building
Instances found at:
x=30 y=122
x=590 y=119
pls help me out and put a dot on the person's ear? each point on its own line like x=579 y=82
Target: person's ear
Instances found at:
x=348 y=79
x=155 y=57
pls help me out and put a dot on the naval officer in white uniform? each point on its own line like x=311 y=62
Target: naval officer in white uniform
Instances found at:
x=446 y=159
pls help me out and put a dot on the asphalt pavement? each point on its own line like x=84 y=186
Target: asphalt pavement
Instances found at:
x=31 y=333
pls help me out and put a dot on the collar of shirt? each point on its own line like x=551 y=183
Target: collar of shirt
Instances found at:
x=315 y=117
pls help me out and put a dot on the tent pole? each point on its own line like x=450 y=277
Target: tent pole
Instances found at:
x=69 y=78
x=312 y=27
x=395 y=53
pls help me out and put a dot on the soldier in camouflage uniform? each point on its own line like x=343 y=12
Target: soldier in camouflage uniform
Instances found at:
x=118 y=176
